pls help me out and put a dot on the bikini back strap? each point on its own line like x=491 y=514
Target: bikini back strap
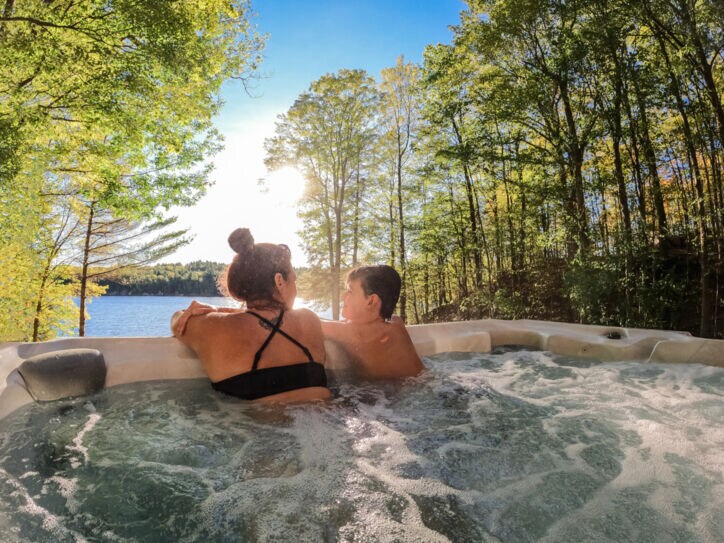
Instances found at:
x=302 y=347
x=275 y=328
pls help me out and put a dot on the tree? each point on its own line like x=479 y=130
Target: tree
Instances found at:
x=400 y=117
x=53 y=290
x=325 y=135
x=690 y=36
x=581 y=141
x=115 y=99
x=110 y=244
x=449 y=115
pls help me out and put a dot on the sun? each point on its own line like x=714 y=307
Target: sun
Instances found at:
x=285 y=185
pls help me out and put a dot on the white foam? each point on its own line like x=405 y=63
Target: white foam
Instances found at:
x=50 y=522
x=66 y=486
x=78 y=446
x=370 y=465
x=663 y=410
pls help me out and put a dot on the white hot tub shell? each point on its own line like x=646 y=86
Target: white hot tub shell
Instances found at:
x=132 y=359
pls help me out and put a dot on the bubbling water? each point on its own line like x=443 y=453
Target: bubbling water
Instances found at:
x=504 y=446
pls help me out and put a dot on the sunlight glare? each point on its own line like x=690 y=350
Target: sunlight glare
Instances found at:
x=286 y=185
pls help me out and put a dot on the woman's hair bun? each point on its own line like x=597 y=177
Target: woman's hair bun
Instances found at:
x=241 y=240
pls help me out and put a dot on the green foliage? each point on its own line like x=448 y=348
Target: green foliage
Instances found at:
x=574 y=158
x=194 y=279
x=558 y=160
x=107 y=102
x=566 y=166
x=594 y=290
x=327 y=135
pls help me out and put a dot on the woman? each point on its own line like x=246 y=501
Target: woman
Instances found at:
x=268 y=352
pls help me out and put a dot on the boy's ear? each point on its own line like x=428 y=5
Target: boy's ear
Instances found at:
x=374 y=301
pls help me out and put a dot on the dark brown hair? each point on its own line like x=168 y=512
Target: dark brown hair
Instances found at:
x=250 y=276
x=381 y=280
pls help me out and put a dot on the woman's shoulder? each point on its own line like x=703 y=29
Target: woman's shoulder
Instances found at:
x=304 y=314
x=219 y=323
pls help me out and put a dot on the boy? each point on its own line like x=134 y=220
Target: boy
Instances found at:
x=377 y=342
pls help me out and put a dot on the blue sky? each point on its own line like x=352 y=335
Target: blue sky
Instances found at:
x=306 y=39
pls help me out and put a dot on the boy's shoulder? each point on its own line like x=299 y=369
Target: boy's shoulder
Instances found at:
x=397 y=326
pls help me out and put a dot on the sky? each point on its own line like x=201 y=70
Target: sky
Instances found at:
x=305 y=40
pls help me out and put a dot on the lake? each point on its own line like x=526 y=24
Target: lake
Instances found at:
x=145 y=315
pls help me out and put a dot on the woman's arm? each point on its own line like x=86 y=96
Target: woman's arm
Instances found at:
x=179 y=320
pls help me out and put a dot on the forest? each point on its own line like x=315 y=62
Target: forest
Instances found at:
x=106 y=122
x=558 y=160
x=192 y=279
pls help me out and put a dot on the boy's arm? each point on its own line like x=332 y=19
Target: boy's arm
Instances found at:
x=334 y=330
x=339 y=346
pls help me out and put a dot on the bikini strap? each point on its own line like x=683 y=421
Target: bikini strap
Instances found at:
x=275 y=328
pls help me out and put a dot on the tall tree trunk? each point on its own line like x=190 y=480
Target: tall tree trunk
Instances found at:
x=426 y=286
x=472 y=211
x=616 y=136
x=576 y=148
x=329 y=233
x=415 y=300
x=462 y=243
x=572 y=243
x=355 y=233
x=401 y=219
x=488 y=258
x=651 y=163
x=523 y=210
x=633 y=150
x=39 y=305
x=84 y=269
x=441 y=290
x=337 y=265
x=392 y=244
x=498 y=253
x=514 y=266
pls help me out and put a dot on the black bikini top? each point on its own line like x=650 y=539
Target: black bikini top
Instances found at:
x=258 y=383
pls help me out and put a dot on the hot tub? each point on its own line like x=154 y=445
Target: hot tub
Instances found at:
x=579 y=433
x=131 y=360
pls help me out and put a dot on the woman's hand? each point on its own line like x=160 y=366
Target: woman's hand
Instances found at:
x=179 y=322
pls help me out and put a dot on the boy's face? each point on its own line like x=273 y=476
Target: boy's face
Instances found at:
x=356 y=306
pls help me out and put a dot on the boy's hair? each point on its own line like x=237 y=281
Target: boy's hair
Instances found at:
x=381 y=280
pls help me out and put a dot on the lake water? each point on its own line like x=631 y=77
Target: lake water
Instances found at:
x=132 y=316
